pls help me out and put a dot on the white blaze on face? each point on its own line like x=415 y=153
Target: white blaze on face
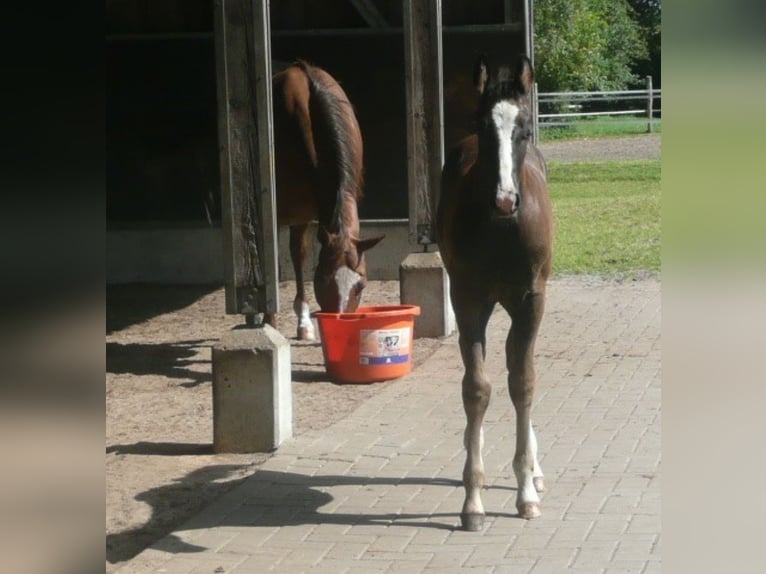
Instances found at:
x=504 y=117
x=345 y=278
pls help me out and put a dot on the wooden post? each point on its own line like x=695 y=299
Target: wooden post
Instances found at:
x=425 y=116
x=649 y=102
x=423 y=280
x=246 y=144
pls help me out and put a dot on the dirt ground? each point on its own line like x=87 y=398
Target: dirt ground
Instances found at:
x=647 y=146
x=160 y=467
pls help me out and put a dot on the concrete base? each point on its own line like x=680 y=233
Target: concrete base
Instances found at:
x=252 y=391
x=423 y=281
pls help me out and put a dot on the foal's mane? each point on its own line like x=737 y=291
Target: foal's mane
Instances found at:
x=332 y=124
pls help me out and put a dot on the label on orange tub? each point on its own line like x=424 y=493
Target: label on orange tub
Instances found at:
x=384 y=346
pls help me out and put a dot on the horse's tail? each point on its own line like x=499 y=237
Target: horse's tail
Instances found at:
x=338 y=145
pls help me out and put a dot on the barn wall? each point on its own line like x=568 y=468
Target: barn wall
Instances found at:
x=192 y=254
x=162 y=158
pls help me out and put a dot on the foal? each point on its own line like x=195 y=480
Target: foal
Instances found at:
x=495 y=233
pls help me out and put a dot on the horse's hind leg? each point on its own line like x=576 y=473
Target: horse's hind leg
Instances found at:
x=298 y=249
x=519 y=350
x=472 y=321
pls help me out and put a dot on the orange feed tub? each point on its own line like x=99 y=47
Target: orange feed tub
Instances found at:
x=370 y=344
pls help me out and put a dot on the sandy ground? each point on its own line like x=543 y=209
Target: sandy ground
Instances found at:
x=647 y=146
x=160 y=469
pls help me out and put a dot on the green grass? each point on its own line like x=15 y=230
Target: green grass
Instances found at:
x=607 y=217
x=600 y=127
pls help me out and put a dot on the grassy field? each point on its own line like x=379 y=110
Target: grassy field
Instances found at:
x=599 y=127
x=607 y=217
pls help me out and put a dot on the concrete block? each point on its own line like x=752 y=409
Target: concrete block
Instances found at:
x=423 y=281
x=252 y=390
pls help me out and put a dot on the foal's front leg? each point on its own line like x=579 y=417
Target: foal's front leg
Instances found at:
x=519 y=349
x=472 y=324
x=298 y=248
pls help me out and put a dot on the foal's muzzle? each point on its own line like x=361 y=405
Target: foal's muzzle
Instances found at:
x=508 y=203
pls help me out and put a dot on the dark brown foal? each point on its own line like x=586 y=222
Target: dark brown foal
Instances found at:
x=495 y=233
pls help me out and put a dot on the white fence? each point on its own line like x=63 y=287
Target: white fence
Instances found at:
x=562 y=108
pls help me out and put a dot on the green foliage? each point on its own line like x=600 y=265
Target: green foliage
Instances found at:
x=649 y=17
x=585 y=45
x=607 y=217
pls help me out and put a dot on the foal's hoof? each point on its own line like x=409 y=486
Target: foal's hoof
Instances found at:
x=472 y=522
x=528 y=510
x=539 y=483
x=305 y=333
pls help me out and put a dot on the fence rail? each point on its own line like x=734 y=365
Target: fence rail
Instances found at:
x=561 y=108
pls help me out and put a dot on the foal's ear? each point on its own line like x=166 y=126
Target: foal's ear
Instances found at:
x=480 y=74
x=323 y=236
x=524 y=75
x=365 y=244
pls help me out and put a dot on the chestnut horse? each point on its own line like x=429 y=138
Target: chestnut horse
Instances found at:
x=495 y=233
x=318 y=166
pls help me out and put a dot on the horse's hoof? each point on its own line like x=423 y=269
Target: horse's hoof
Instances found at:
x=305 y=334
x=528 y=510
x=539 y=483
x=472 y=522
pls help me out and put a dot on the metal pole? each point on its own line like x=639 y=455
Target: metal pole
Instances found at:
x=529 y=30
x=535 y=115
x=649 y=103
x=264 y=121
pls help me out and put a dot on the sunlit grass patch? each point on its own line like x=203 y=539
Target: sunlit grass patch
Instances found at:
x=607 y=217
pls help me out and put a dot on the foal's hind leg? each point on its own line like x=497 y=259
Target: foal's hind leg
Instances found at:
x=519 y=349
x=298 y=248
x=472 y=323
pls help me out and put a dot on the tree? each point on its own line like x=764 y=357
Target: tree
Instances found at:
x=649 y=17
x=586 y=44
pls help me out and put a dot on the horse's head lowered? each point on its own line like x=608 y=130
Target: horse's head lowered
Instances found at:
x=341 y=273
x=504 y=128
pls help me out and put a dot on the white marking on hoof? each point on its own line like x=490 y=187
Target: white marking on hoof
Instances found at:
x=306 y=333
x=305 y=326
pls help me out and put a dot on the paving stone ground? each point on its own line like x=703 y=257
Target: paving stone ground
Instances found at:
x=380 y=490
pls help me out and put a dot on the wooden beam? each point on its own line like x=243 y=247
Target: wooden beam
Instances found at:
x=245 y=137
x=425 y=115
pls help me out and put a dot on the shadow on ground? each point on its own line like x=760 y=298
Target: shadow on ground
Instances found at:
x=271 y=499
x=127 y=305
x=204 y=485
x=170 y=360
